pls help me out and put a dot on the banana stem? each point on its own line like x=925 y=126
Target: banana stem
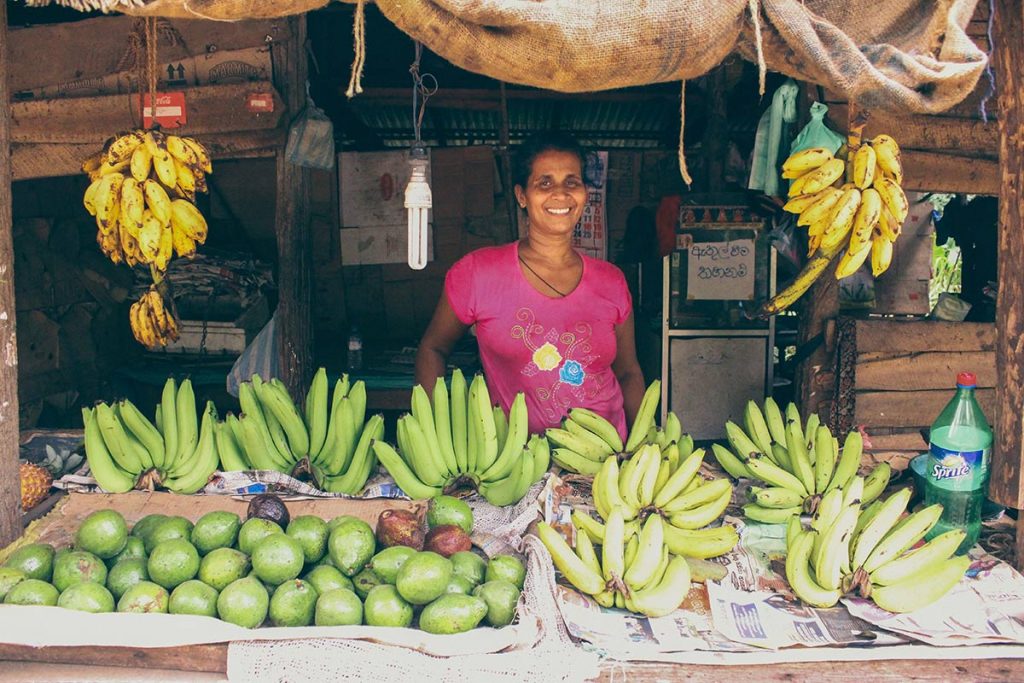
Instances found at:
x=857 y=119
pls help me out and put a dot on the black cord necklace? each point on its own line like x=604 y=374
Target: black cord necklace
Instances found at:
x=537 y=275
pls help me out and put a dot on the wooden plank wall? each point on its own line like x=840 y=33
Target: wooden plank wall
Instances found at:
x=906 y=371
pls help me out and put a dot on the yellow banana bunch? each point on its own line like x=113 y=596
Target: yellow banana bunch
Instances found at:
x=459 y=437
x=853 y=546
x=152 y=324
x=797 y=463
x=126 y=450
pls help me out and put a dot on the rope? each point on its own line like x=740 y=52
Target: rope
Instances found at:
x=762 y=67
x=683 y=171
x=423 y=87
x=991 y=90
x=151 y=66
x=355 y=83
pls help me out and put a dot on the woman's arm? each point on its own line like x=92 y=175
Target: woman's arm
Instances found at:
x=444 y=330
x=627 y=368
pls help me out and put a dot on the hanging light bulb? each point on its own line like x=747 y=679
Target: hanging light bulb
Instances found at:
x=418 y=202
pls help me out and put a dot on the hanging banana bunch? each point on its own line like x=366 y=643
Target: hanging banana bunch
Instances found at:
x=854 y=201
x=152 y=323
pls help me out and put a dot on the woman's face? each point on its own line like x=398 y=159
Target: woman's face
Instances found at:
x=554 y=195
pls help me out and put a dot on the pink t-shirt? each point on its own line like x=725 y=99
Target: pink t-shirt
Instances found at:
x=559 y=351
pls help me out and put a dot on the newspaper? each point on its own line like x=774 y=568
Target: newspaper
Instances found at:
x=751 y=609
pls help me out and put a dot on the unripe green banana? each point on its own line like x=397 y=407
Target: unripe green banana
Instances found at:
x=599 y=425
x=849 y=461
x=771 y=473
x=700 y=495
x=231 y=458
x=799 y=576
x=823 y=463
x=169 y=418
x=755 y=512
x=778 y=497
x=353 y=480
x=515 y=441
x=730 y=463
x=443 y=425
x=588 y=448
x=797 y=449
x=541 y=451
x=903 y=536
x=680 y=479
x=673 y=427
x=487 y=448
x=644 y=417
x=105 y=471
x=400 y=472
x=876 y=481
x=757 y=428
x=902 y=568
x=922 y=588
x=275 y=399
x=702 y=516
x=186 y=420
x=417 y=452
x=595 y=442
x=574 y=462
x=423 y=411
x=741 y=442
x=701 y=543
x=316 y=411
x=144 y=432
x=883 y=521
x=665 y=598
x=572 y=567
x=458 y=401
x=773 y=418
x=200 y=467
x=123 y=453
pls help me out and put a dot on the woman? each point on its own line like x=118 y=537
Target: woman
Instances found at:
x=550 y=321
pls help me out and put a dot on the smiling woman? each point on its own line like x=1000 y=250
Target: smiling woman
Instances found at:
x=551 y=322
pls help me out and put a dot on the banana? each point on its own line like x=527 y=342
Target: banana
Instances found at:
x=793 y=415
x=808 y=275
x=648 y=558
x=849 y=461
x=644 y=416
x=157 y=201
x=572 y=567
x=140 y=164
x=666 y=596
x=824 y=465
x=797 y=450
x=766 y=471
x=664 y=472
x=400 y=472
x=884 y=519
x=315 y=409
x=255 y=443
x=599 y=444
x=755 y=512
x=864 y=160
x=585 y=551
x=458 y=404
x=850 y=262
x=801 y=203
x=780 y=456
x=820 y=207
x=574 y=462
x=730 y=463
x=276 y=400
x=163 y=165
x=888 y=157
x=598 y=425
x=589 y=526
x=630 y=475
x=876 y=481
x=185 y=217
x=841 y=219
x=903 y=536
x=881 y=254
x=757 y=427
x=700 y=517
x=588 y=448
x=606 y=490
x=424 y=414
x=673 y=427
x=939 y=548
x=487 y=449
x=231 y=458
x=648 y=476
x=203 y=462
x=701 y=544
x=613 y=548
x=500 y=424
x=144 y=432
x=170 y=421
x=363 y=459
x=741 y=443
x=202 y=155
x=701 y=495
x=443 y=425
x=184 y=246
x=799 y=577
x=149 y=237
x=893 y=197
x=541 y=451
x=922 y=588
x=810 y=434
x=773 y=419
x=679 y=479
x=412 y=441
x=334 y=454
x=105 y=471
x=121 y=148
x=793 y=529
x=253 y=411
x=823 y=176
x=515 y=442
x=833 y=549
x=806 y=160
x=181 y=151
x=864 y=222
x=889 y=226
x=777 y=497
x=116 y=440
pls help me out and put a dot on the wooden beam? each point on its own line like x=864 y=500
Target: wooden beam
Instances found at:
x=10 y=489
x=910 y=408
x=1006 y=483
x=209 y=109
x=932 y=172
x=294 y=241
x=893 y=372
x=919 y=336
x=49 y=160
x=490 y=100
x=947 y=134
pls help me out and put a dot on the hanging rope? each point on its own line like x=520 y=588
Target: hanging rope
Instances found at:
x=683 y=171
x=762 y=67
x=991 y=90
x=140 y=55
x=355 y=83
x=423 y=86
x=151 y=66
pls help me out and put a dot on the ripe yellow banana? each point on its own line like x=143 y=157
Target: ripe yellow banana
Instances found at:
x=850 y=262
x=163 y=164
x=865 y=220
x=149 y=237
x=883 y=520
x=202 y=154
x=888 y=154
x=841 y=219
x=893 y=198
x=181 y=151
x=881 y=254
x=141 y=163
x=821 y=207
x=729 y=462
x=801 y=203
x=187 y=218
x=765 y=515
x=817 y=180
x=806 y=160
x=864 y=160
x=157 y=200
x=121 y=148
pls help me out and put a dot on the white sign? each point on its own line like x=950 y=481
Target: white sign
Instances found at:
x=720 y=270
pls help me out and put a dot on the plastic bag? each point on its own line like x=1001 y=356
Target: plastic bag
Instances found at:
x=816 y=133
x=311 y=139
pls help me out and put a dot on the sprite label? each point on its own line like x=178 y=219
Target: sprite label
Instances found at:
x=957 y=470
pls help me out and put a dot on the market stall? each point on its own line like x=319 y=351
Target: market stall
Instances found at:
x=780 y=539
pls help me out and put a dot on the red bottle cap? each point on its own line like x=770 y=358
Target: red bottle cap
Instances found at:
x=966 y=379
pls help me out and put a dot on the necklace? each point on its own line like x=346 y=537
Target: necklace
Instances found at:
x=537 y=275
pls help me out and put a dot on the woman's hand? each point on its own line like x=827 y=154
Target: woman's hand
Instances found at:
x=444 y=331
x=627 y=369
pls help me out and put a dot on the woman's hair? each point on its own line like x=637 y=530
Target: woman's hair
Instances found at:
x=538 y=143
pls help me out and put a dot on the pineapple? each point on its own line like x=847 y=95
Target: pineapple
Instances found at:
x=35 y=484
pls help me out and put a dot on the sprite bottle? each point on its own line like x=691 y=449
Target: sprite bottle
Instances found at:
x=958 y=465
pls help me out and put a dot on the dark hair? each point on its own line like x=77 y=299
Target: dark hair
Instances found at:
x=538 y=143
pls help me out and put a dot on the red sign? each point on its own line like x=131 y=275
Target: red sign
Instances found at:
x=260 y=102
x=170 y=110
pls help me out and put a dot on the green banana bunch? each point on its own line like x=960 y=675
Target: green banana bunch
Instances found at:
x=634 y=570
x=126 y=450
x=458 y=437
x=853 y=549
x=798 y=463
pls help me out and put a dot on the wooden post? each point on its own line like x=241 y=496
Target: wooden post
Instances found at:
x=1006 y=485
x=10 y=488
x=715 y=141
x=294 y=242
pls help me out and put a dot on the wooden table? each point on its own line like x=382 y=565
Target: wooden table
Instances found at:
x=209 y=663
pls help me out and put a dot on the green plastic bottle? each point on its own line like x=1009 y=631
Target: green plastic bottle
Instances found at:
x=958 y=464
